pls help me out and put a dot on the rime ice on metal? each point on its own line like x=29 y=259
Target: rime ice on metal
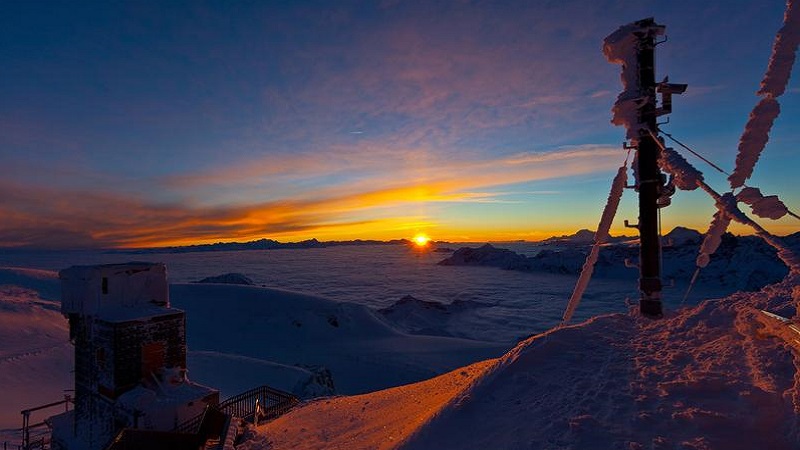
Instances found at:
x=600 y=237
x=621 y=47
x=773 y=85
x=783 y=53
x=685 y=176
x=767 y=206
x=713 y=237
x=754 y=139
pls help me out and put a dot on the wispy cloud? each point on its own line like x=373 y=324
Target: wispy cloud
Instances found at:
x=37 y=215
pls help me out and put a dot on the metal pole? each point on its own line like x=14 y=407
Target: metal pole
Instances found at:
x=26 y=436
x=650 y=181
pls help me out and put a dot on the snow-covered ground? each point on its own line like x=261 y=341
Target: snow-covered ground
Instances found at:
x=353 y=320
x=35 y=353
x=238 y=337
x=254 y=326
x=705 y=377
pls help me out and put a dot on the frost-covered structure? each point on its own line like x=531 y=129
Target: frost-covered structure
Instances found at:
x=130 y=355
x=767 y=206
x=754 y=138
x=603 y=228
x=685 y=176
x=773 y=85
x=751 y=144
x=621 y=47
x=727 y=210
x=713 y=238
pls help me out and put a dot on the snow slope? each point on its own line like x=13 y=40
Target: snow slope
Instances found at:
x=35 y=355
x=238 y=336
x=360 y=350
x=706 y=377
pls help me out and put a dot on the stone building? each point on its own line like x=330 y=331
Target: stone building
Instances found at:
x=130 y=355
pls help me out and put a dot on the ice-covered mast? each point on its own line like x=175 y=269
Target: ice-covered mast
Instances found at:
x=636 y=109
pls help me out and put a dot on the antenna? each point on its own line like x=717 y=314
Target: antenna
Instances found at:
x=636 y=108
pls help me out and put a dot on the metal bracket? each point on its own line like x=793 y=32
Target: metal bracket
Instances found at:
x=627 y=146
x=667 y=90
x=666 y=38
x=628 y=225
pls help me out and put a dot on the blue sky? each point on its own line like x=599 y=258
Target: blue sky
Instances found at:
x=145 y=123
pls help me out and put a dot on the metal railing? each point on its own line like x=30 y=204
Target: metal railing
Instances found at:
x=273 y=403
x=41 y=429
x=41 y=442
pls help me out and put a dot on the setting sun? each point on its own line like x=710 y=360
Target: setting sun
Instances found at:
x=421 y=240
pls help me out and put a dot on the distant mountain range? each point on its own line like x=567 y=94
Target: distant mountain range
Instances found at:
x=261 y=244
x=742 y=262
x=583 y=236
x=678 y=236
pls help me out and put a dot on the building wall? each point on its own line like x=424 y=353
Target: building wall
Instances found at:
x=131 y=339
x=110 y=359
x=88 y=290
x=93 y=412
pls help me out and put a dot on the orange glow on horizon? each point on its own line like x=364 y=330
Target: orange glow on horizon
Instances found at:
x=389 y=229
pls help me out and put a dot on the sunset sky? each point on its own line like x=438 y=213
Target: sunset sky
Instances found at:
x=160 y=123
